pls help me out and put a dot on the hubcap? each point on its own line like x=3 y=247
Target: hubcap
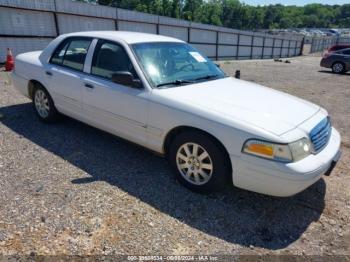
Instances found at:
x=41 y=103
x=194 y=163
x=338 y=68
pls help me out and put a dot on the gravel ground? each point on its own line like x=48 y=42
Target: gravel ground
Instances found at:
x=68 y=188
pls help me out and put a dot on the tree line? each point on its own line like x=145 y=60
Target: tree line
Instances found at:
x=234 y=14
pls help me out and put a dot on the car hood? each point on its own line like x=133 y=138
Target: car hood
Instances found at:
x=243 y=101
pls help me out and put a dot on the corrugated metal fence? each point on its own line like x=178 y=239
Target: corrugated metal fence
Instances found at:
x=27 y=25
x=319 y=44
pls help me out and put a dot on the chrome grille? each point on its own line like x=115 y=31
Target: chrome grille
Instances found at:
x=320 y=134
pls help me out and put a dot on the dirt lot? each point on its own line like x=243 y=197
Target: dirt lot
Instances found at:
x=68 y=188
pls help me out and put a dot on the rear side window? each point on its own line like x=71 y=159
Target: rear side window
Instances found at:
x=72 y=53
x=347 y=52
x=57 y=58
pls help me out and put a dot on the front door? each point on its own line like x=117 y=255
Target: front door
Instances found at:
x=117 y=108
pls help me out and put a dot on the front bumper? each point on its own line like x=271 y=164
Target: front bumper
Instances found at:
x=325 y=63
x=279 y=179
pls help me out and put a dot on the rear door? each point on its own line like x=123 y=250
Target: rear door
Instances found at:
x=64 y=74
x=117 y=108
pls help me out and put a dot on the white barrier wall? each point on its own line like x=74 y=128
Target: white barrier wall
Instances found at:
x=22 y=45
x=25 y=22
x=45 y=5
x=27 y=25
x=229 y=39
x=80 y=8
x=72 y=23
x=177 y=32
x=137 y=27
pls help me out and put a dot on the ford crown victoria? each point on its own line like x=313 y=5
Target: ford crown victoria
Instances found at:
x=165 y=95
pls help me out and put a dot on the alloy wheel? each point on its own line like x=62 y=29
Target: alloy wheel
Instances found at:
x=338 y=68
x=194 y=163
x=41 y=102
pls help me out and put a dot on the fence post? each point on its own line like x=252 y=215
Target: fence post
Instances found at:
x=217 y=46
x=312 y=46
x=273 y=48
x=251 y=47
x=263 y=47
x=189 y=33
x=237 y=50
x=116 y=24
x=301 y=51
x=56 y=24
x=281 y=48
x=55 y=19
x=288 y=55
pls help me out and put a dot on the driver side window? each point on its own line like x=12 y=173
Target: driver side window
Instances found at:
x=110 y=58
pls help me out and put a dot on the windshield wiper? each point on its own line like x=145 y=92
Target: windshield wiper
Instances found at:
x=206 y=77
x=176 y=82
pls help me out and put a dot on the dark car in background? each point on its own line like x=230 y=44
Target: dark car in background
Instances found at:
x=338 y=61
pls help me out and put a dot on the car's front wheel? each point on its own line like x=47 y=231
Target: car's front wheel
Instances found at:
x=199 y=162
x=43 y=105
x=338 y=68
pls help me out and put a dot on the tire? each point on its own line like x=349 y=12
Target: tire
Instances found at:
x=338 y=68
x=43 y=105
x=196 y=171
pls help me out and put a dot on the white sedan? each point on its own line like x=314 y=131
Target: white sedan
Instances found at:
x=165 y=95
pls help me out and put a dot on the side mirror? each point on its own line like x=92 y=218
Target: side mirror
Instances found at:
x=218 y=65
x=126 y=78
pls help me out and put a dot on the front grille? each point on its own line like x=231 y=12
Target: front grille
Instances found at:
x=320 y=134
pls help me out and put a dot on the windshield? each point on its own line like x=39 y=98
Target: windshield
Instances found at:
x=167 y=64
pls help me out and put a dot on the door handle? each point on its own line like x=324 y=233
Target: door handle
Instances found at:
x=48 y=73
x=89 y=85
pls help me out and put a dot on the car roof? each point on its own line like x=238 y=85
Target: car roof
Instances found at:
x=340 y=51
x=339 y=46
x=128 y=37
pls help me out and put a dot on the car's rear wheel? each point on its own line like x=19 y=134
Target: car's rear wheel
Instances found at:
x=43 y=105
x=338 y=68
x=199 y=162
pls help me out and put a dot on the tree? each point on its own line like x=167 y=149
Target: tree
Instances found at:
x=344 y=15
x=234 y=14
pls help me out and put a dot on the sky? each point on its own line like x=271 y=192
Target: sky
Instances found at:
x=295 y=2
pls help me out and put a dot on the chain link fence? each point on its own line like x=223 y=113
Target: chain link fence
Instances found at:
x=319 y=44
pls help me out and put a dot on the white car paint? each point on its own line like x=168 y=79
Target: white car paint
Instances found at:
x=231 y=110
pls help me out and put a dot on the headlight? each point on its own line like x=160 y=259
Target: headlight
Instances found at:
x=279 y=152
x=300 y=149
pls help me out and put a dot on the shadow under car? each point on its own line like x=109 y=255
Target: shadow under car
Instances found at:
x=234 y=215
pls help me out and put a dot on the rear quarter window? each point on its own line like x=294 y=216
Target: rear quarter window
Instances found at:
x=71 y=53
